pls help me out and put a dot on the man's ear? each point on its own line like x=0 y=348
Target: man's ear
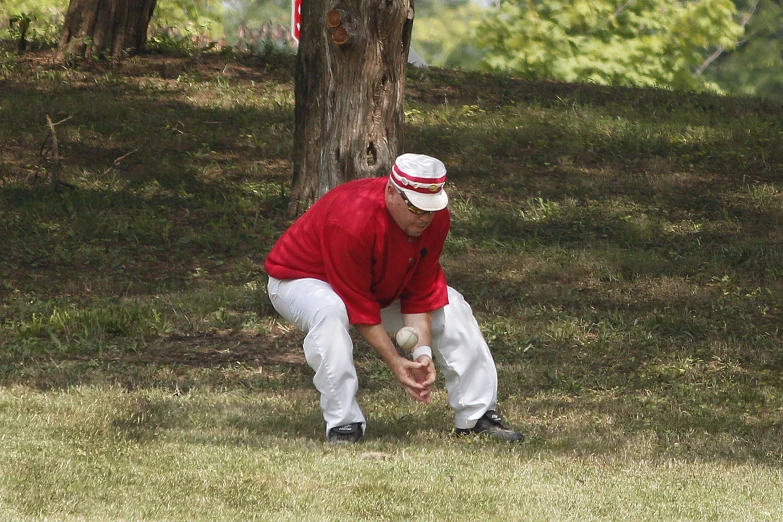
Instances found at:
x=387 y=194
x=390 y=190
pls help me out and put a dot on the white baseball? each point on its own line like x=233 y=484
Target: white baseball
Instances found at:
x=407 y=338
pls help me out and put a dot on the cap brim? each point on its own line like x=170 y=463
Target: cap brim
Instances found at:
x=428 y=202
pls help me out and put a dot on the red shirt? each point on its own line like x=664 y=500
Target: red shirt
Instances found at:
x=349 y=239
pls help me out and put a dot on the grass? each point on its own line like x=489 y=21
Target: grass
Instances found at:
x=106 y=454
x=620 y=248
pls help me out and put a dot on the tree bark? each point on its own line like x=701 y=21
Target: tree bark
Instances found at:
x=350 y=83
x=106 y=27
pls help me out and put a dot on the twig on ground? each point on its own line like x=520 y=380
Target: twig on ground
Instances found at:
x=55 y=159
x=117 y=161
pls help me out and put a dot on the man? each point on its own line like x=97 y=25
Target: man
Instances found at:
x=367 y=254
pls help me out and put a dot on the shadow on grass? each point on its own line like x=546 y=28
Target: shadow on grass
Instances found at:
x=434 y=86
x=615 y=174
x=193 y=183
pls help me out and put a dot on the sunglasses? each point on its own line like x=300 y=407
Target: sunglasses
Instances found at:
x=413 y=208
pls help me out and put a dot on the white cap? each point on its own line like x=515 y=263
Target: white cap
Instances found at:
x=421 y=178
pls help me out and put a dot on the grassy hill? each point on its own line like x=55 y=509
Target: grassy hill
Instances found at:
x=620 y=247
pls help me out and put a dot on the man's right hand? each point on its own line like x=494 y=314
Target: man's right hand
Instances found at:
x=405 y=369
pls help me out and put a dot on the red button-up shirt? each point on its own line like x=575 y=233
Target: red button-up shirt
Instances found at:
x=349 y=239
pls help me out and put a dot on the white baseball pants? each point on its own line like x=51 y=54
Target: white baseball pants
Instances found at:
x=459 y=348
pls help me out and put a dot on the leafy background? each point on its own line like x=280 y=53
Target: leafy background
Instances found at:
x=722 y=46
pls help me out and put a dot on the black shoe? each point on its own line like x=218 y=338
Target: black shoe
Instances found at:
x=494 y=425
x=346 y=434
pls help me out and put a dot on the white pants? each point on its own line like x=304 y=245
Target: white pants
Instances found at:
x=459 y=348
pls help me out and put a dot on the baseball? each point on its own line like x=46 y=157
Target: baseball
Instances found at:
x=407 y=338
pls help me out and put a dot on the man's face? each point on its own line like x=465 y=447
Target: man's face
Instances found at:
x=411 y=223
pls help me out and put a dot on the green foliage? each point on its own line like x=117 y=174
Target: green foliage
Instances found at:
x=38 y=22
x=19 y=25
x=646 y=43
x=195 y=20
x=39 y=9
x=753 y=68
x=443 y=33
x=242 y=16
x=187 y=45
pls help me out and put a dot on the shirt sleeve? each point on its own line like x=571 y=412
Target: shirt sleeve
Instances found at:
x=348 y=265
x=426 y=290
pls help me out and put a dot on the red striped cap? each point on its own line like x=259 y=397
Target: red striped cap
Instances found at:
x=421 y=178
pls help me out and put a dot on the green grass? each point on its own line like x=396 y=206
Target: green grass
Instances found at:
x=106 y=454
x=620 y=248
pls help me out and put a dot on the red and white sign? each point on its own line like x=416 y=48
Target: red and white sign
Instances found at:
x=296 y=18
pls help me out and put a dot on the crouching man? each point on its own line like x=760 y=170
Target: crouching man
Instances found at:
x=367 y=255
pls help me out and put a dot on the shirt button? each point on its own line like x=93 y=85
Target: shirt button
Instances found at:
x=410 y=260
x=410 y=240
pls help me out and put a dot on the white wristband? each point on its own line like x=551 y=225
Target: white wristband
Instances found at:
x=421 y=350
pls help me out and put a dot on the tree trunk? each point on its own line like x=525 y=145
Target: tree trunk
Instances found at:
x=350 y=83
x=106 y=27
